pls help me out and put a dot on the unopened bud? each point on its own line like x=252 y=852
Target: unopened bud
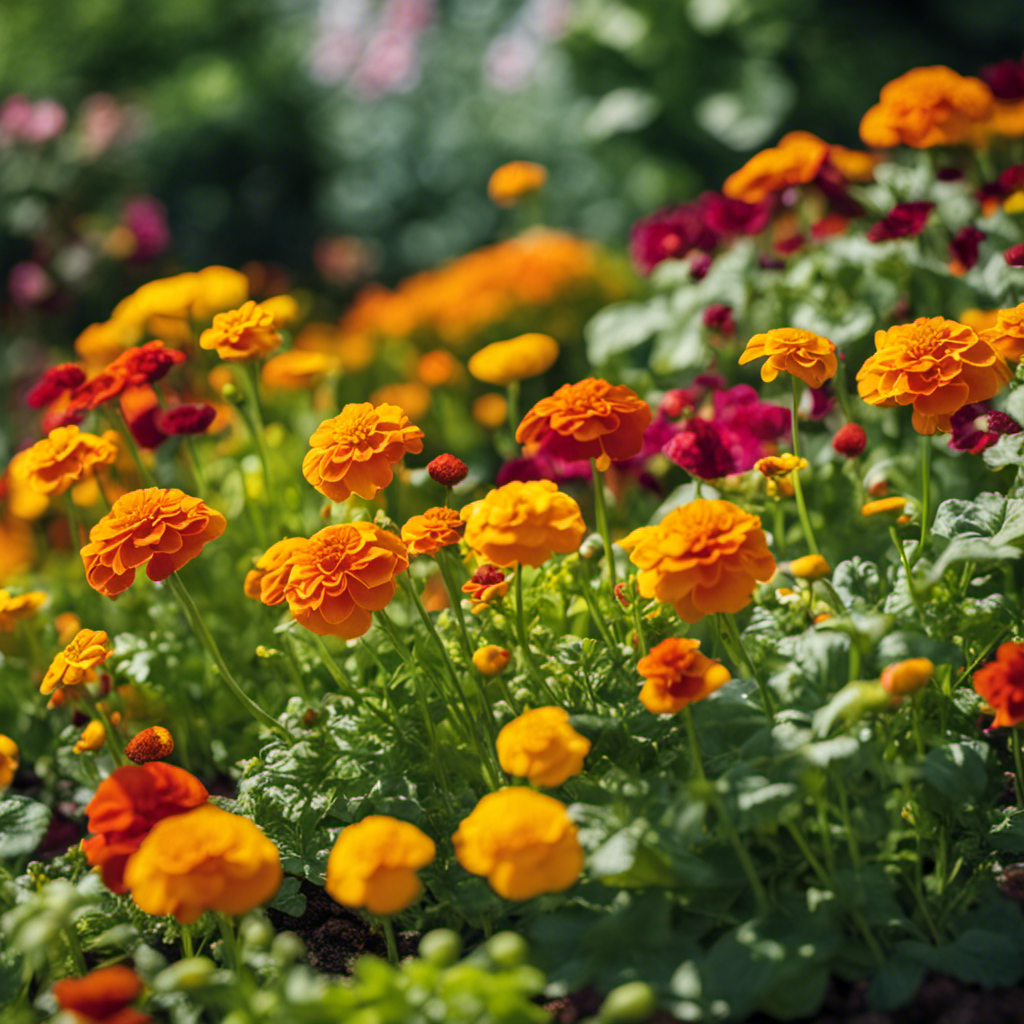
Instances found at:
x=491 y=660
x=850 y=440
x=447 y=470
x=152 y=744
x=908 y=676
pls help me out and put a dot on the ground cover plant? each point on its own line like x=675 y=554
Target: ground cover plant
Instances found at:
x=671 y=648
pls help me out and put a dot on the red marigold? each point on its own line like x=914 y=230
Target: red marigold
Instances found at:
x=102 y=996
x=54 y=383
x=187 y=418
x=447 y=470
x=902 y=221
x=1015 y=255
x=148 y=363
x=677 y=674
x=1001 y=684
x=850 y=440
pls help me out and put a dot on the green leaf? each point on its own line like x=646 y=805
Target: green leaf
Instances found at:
x=956 y=772
x=895 y=983
x=624 y=326
x=986 y=958
x=289 y=900
x=23 y=823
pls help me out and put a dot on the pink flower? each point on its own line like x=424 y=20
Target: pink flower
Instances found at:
x=902 y=221
x=669 y=234
x=187 y=418
x=1005 y=79
x=964 y=246
x=702 y=449
x=718 y=317
x=977 y=427
x=728 y=217
x=146 y=218
x=29 y=284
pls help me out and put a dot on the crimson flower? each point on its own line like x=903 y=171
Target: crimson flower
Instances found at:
x=977 y=427
x=964 y=246
x=54 y=383
x=902 y=221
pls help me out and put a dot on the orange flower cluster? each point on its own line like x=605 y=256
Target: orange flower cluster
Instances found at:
x=512 y=182
x=936 y=365
x=930 y=106
x=64 y=457
x=541 y=745
x=505 y=362
x=591 y=419
x=800 y=353
x=677 y=674
x=796 y=160
x=437 y=528
x=353 y=452
x=267 y=580
x=164 y=528
x=297 y=369
x=78 y=661
x=702 y=558
x=1006 y=332
x=14 y=607
x=249 y=332
x=126 y=805
x=102 y=996
x=523 y=522
x=1001 y=684
x=373 y=864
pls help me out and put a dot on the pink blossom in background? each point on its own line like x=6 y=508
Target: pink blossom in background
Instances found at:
x=146 y=218
x=978 y=426
x=29 y=284
x=101 y=119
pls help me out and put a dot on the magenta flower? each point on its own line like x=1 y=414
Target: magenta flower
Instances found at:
x=669 y=234
x=965 y=243
x=977 y=427
x=902 y=221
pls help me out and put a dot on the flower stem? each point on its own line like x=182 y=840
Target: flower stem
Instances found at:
x=926 y=491
x=601 y=514
x=389 y=939
x=230 y=945
x=1015 y=742
x=742 y=660
x=254 y=419
x=75 y=949
x=524 y=641
x=743 y=855
x=696 y=761
x=595 y=612
x=78 y=535
x=634 y=605
x=120 y=424
x=455 y=599
x=203 y=635
x=908 y=568
x=798 y=491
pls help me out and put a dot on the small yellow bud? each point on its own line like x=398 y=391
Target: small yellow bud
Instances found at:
x=903 y=677
x=809 y=567
x=490 y=660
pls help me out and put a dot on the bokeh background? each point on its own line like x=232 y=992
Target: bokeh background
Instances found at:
x=341 y=141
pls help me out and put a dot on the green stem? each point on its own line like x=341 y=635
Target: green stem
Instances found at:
x=779 y=525
x=909 y=571
x=743 y=855
x=595 y=613
x=512 y=408
x=696 y=761
x=187 y=948
x=227 y=933
x=798 y=491
x=120 y=424
x=389 y=939
x=524 y=642
x=601 y=514
x=926 y=491
x=78 y=535
x=634 y=604
x=391 y=632
x=113 y=740
x=254 y=418
x=455 y=599
x=195 y=620
x=1018 y=767
x=742 y=660
x=75 y=949
x=347 y=687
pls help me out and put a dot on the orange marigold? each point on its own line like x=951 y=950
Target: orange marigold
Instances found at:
x=490 y=410
x=266 y=581
x=14 y=607
x=522 y=842
x=791 y=350
x=77 y=662
x=523 y=522
x=354 y=451
x=297 y=370
x=102 y=996
x=925 y=107
x=511 y=182
x=373 y=864
x=541 y=745
x=246 y=333
x=934 y=364
x=9 y=760
x=487 y=584
x=204 y=859
x=1006 y=334
x=64 y=457
x=703 y=557
x=588 y=420
x=342 y=575
x=907 y=676
x=164 y=528
x=94 y=735
x=519 y=358
x=677 y=674
x=1001 y=684
x=152 y=744
x=795 y=161
x=437 y=528
x=883 y=506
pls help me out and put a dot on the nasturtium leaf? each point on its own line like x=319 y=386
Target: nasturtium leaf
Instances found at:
x=23 y=823
x=956 y=772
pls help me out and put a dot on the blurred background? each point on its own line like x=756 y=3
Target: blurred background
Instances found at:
x=351 y=140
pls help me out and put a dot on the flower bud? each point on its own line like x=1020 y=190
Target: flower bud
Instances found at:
x=152 y=744
x=1015 y=255
x=633 y=1002
x=441 y=946
x=507 y=949
x=905 y=677
x=491 y=659
x=809 y=567
x=850 y=440
x=447 y=470
x=187 y=974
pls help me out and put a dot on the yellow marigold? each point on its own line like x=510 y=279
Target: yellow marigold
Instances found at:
x=24 y=503
x=9 y=760
x=490 y=410
x=979 y=319
x=677 y=674
x=78 y=661
x=354 y=451
x=152 y=744
x=165 y=296
x=216 y=289
x=413 y=398
x=925 y=107
x=809 y=567
x=491 y=659
x=522 y=842
x=779 y=465
x=296 y=370
x=164 y=528
x=908 y=676
x=438 y=367
x=18 y=606
x=895 y=504
x=341 y=576
x=437 y=528
x=204 y=859
x=1006 y=333
x=801 y=353
x=523 y=522
x=64 y=457
x=591 y=419
x=283 y=308
x=511 y=182
x=541 y=745
x=373 y=864
x=99 y=344
x=265 y=582
x=16 y=546
x=795 y=161
x=505 y=362
x=93 y=736
x=703 y=557
x=245 y=333
x=934 y=364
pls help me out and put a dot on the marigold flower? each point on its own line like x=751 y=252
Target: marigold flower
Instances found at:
x=126 y=805
x=925 y=107
x=204 y=859
x=297 y=370
x=780 y=465
x=438 y=367
x=266 y=581
x=373 y=864
x=53 y=383
x=801 y=353
x=908 y=676
x=591 y=419
x=809 y=567
x=62 y=458
x=1001 y=684
x=9 y=760
x=703 y=557
x=354 y=451
x=490 y=410
x=412 y=397
x=490 y=659
x=186 y=418
x=519 y=358
x=1014 y=256
x=964 y=246
x=796 y=162
x=541 y=745
x=102 y=996
x=883 y=506
x=903 y=221
x=447 y=470
x=523 y=522
x=152 y=744
x=437 y=528
x=1006 y=333
x=487 y=584
x=934 y=364
x=93 y=736
x=164 y=528
x=703 y=448
x=78 y=661
x=850 y=440
x=341 y=576
x=148 y=363
x=677 y=674
x=14 y=607
x=516 y=180
x=67 y=625
x=217 y=288
x=283 y=308
x=522 y=842
x=246 y=333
